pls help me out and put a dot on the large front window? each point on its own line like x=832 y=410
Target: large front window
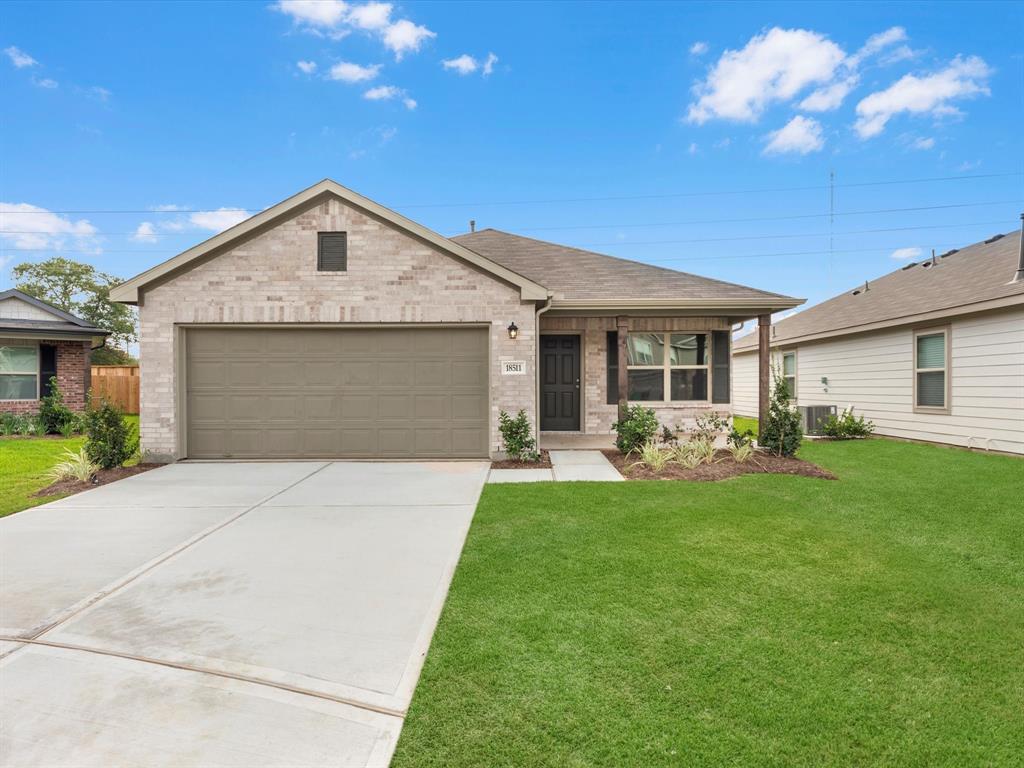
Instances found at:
x=19 y=373
x=667 y=366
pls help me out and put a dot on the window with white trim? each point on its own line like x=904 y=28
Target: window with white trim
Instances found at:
x=931 y=370
x=668 y=367
x=789 y=372
x=19 y=373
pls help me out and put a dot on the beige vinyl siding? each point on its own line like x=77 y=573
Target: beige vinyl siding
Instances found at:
x=744 y=384
x=874 y=373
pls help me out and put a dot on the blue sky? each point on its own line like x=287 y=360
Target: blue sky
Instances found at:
x=696 y=136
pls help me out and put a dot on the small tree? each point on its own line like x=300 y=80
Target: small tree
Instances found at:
x=515 y=436
x=781 y=433
x=53 y=414
x=109 y=440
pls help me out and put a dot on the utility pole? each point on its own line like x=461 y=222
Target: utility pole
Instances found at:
x=831 y=223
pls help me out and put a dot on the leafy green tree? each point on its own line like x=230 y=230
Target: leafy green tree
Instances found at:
x=781 y=433
x=81 y=290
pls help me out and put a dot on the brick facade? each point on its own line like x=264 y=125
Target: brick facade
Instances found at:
x=272 y=278
x=72 y=374
x=598 y=415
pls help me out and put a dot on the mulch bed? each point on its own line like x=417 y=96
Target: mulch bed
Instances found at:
x=723 y=467
x=102 y=477
x=544 y=463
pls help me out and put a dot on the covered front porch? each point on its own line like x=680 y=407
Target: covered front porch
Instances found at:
x=592 y=365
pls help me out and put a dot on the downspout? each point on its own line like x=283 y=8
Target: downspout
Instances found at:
x=536 y=368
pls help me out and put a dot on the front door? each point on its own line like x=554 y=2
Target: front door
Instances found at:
x=560 y=383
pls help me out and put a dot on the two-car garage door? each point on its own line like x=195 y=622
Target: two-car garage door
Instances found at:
x=397 y=392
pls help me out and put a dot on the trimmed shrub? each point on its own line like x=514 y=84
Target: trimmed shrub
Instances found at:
x=519 y=444
x=636 y=430
x=109 y=441
x=52 y=411
x=846 y=426
x=781 y=433
x=74 y=466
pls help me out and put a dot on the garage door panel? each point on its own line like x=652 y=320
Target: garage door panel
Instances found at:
x=396 y=392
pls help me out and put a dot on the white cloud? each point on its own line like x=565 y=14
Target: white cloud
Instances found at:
x=336 y=19
x=830 y=97
x=19 y=58
x=382 y=93
x=353 y=73
x=723 y=143
x=45 y=82
x=98 y=93
x=693 y=148
x=145 y=233
x=903 y=254
x=777 y=66
x=410 y=103
x=218 y=220
x=464 y=64
x=930 y=95
x=371 y=15
x=30 y=227
x=801 y=135
x=309 y=67
x=489 y=63
x=699 y=48
x=168 y=207
x=969 y=165
x=773 y=66
x=404 y=37
x=923 y=142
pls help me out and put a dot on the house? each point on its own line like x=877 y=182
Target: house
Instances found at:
x=37 y=342
x=933 y=351
x=330 y=326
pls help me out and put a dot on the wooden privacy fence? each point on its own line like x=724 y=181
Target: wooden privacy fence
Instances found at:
x=119 y=384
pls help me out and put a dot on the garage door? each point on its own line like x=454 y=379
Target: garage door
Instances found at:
x=321 y=393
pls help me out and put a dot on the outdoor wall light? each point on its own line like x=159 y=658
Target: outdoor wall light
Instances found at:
x=513 y=330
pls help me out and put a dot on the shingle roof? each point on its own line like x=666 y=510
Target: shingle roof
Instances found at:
x=960 y=279
x=576 y=275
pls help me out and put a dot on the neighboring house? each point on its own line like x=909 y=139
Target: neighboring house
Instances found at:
x=933 y=351
x=330 y=326
x=37 y=342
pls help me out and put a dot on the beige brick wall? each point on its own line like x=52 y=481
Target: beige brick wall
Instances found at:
x=598 y=415
x=272 y=278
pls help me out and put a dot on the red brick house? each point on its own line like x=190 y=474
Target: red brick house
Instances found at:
x=39 y=341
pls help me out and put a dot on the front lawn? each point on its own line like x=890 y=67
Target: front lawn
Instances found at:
x=25 y=463
x=764 y=620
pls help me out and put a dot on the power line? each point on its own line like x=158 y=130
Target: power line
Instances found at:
x=706 y=193
x=690 y=222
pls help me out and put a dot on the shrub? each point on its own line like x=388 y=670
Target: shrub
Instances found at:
x=669 y=436
x=8 y=424
x=516 y=438
x=52 y=411
x=75 y=466
x=636 y=430
x=781 y=433
x=37 y=427
x=709 y=427
x=651 y=455
x=737 y=438
x=694 y=453
x=109 y=441
x=847 y=426
x=23 y=424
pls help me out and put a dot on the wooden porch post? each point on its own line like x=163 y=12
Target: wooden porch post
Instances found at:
x=764 y=326
x=622 y=328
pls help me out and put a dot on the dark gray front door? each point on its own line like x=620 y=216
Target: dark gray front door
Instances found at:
x=560 y=382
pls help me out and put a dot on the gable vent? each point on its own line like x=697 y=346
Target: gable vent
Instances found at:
x=332 y=251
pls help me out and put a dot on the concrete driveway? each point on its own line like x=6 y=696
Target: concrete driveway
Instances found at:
x=249 y=614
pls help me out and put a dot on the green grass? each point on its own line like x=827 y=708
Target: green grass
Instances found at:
x=25 y=463
x=743 y=423
x=763 y=620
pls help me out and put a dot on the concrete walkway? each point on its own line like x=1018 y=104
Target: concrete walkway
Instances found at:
x=258 y=614
x=565 y=465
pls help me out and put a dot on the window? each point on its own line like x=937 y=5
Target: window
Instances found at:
x=664 y=367
x=931 y=374
x=332 y=251
x=19 y=373
x=789 y=372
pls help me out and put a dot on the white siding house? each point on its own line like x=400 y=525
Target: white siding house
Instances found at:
x=940 y=373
